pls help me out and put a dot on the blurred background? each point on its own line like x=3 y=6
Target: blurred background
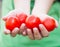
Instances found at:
x=0 y=7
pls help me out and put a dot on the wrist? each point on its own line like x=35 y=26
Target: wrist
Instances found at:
x=42 y=16
x=40 y=10
x=42 y=6
x=22 y=5
x=22 y=11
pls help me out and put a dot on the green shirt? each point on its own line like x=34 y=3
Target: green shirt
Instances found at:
x=53 y=40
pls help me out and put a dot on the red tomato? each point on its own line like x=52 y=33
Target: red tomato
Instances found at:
x=22 y=17
x=49 y=23
x=12 y=22
x=32 y=22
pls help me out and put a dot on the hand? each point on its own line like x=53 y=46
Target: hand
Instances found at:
x=16 y=30
x=36 y=33
x=42 y=31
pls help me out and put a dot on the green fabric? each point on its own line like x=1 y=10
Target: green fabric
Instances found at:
x=19 y=41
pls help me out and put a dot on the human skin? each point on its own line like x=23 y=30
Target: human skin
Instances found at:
x=41 y=8
x=21 y=6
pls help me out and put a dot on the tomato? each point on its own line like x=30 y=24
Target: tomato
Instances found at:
x=22 y=17
x=49 y=23
x=32 y=22
x=12 y=22
x=15 y=21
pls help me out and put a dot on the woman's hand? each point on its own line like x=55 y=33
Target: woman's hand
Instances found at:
x=16 y=30
x=40 y=10
x=42 y=31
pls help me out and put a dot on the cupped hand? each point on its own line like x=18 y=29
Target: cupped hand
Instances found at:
x=41 y=32
x=16 y=30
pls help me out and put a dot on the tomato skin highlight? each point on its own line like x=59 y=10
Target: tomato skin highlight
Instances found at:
x=32 y=22
x=49 y=23
x=22 y=17
x=12 y=22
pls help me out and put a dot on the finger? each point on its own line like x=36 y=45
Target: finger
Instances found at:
x=6 y=31
x=4 y=18
x=56 y=23
x=9 y=14
x=30 y=34
x=14 y=32
x=22 y=28
x=24 y=33
x=44 y=31
x=37 y=35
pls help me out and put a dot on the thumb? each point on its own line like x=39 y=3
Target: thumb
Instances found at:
x=8 y=15
x=4 y=18
x=56 y=23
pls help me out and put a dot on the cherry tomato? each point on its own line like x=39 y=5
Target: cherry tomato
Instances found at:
x=12 y=22
x=32 y=22
x=49 y=23
x=22 y=17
